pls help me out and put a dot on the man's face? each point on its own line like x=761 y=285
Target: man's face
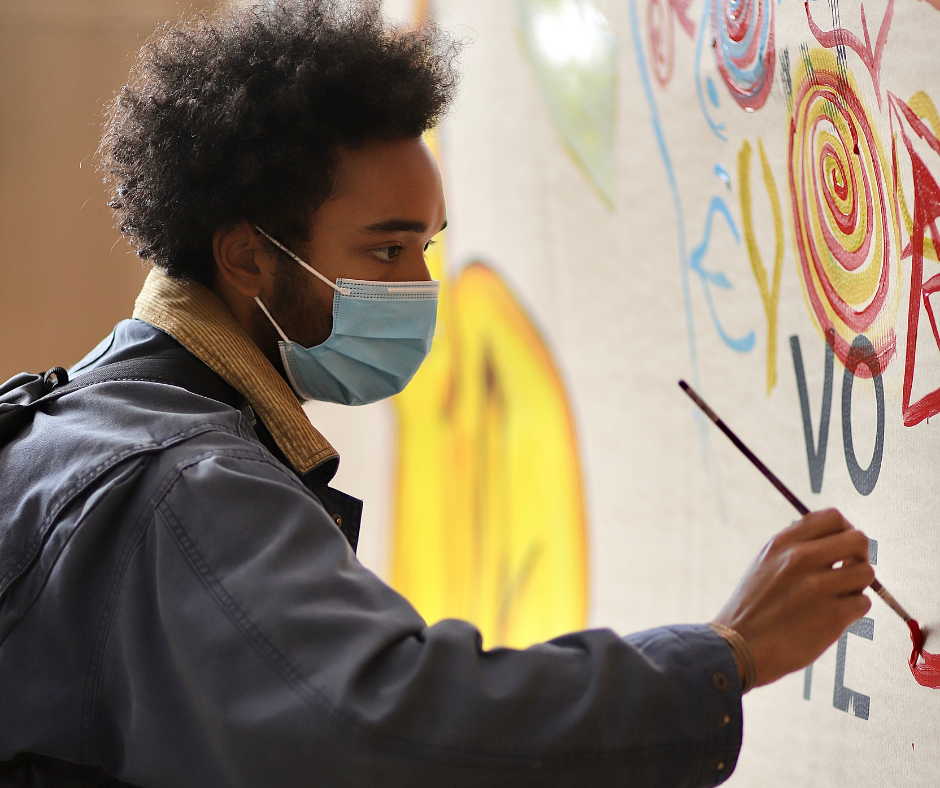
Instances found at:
x=387 y=207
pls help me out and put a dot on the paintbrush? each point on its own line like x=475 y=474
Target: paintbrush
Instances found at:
x=802 y=508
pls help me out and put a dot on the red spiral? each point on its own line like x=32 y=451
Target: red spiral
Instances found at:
x=841 y=213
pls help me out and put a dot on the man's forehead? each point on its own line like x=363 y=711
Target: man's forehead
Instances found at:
x=386 y=187
x=377 y=160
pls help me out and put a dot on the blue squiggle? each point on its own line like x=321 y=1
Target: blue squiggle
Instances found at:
x=722 y=173
x=717 y=278
x=704 y=26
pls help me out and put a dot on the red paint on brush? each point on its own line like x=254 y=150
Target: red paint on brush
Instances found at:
x=917 y=637
x=926 y=672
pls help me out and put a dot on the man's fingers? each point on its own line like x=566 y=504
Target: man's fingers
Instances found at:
x=847 y=546
x=848 y=608
x=848 y=579
x=855 y=606
x=816 y=525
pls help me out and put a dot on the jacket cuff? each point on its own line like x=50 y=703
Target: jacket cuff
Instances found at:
x=705 y=674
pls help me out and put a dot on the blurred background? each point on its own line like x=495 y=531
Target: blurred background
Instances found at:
x=66 y=275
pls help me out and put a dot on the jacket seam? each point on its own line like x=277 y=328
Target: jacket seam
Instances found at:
x=93 y=678
x=62 y=500
x=131 y=543
x=311 y=694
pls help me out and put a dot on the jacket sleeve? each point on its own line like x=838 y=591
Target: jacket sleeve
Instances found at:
x=247 y=647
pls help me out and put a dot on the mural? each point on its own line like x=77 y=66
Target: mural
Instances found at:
x=769 y=174
x=855 y=236
x=847 y=204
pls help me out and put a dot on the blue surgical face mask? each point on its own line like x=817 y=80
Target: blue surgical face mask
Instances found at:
x=382 y=331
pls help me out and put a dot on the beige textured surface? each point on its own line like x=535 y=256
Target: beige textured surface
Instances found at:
x=67 y=274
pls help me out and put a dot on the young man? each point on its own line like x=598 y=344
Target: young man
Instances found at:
x=180 y=603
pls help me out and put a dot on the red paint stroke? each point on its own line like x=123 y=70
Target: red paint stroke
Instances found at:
x=926 y=213
x=821 y=94
x=926 y=672
x=659 y=26
x=681 y=10
x=934 y=3
x=745 y=52
x=842 y=37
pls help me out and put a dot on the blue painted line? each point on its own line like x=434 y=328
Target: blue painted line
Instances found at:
x=701 y=423
x=703 y=28
x=716 y=278
x=712 y=91
x=722 y=173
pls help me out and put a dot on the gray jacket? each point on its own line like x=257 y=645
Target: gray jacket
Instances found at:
x=178 y=608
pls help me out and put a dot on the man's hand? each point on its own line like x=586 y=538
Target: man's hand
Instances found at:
x=800 y=593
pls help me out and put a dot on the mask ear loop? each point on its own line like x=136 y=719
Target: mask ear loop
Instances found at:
x=341 y=290
x=273 y=321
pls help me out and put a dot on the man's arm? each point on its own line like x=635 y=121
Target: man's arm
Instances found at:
x=247 y=646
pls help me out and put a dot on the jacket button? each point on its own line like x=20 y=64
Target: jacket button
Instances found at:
x=339 y=523
x=725 y=720
x=720 y=766
x=720 y=681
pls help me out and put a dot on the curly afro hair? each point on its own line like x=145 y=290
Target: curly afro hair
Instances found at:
x=238 y=116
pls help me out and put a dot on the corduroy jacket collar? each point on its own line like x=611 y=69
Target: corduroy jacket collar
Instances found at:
x=196 y=318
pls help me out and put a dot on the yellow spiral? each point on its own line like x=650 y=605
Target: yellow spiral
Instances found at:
x=841 y=211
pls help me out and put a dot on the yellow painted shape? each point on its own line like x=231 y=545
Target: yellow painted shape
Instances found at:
x=575 y=55
x=489 y=522
x=489 y=517
x=770 y=296
x=855 y=287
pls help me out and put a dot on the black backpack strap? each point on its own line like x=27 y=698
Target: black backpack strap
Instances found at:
x=183 y=371
x=186 y=372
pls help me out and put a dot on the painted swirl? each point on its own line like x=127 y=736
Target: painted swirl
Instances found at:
x=661 y=16
x=659 y=26
x=744 y=48
x=841 y=211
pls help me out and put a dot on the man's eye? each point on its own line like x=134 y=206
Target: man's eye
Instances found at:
x=387 y=253
x=429 y=244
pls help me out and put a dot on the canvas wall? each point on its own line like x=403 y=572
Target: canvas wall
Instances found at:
x=646 y=190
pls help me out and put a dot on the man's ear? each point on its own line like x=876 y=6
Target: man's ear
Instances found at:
x=241 y=260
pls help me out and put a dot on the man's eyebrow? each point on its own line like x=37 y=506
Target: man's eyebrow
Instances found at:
x=397 y=226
